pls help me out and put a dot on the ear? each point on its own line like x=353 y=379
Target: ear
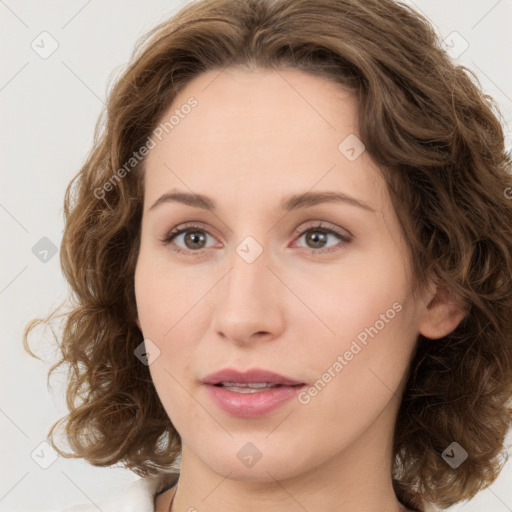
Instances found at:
x=137 y=321
x=441 y=315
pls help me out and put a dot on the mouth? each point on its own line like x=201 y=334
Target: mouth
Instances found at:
x=252 y=393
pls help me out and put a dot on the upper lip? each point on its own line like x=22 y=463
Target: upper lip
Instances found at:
x=255 y=375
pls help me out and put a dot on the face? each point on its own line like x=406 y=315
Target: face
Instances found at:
x=315 y=290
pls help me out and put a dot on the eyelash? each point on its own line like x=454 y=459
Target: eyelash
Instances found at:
x=193 y=227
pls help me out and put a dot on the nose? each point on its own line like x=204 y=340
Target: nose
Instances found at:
x=251 y=302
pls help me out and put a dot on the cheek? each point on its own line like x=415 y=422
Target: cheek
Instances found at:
x=163 y=295
x=168 y=305
x=361 y=294
x=364 y=332
x=357 y=372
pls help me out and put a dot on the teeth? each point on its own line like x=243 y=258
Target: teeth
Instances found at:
x=250 y=387
x=242 y=390
x=254 y=385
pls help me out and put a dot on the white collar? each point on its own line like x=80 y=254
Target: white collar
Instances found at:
x=138 y=496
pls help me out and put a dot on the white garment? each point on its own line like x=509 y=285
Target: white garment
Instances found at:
x=138 y=496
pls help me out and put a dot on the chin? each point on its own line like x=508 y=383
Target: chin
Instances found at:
x=256 y=461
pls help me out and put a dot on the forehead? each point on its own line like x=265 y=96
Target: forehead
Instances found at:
x=262 y=130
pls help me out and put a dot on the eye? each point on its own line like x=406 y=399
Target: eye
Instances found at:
x=317 y=238
x=193 y=237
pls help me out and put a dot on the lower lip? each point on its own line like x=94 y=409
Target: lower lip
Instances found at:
x=251 y=405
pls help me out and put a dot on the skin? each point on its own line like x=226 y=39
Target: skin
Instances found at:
x=254 y=138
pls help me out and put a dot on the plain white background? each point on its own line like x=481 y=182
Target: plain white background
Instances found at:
x=48 y=110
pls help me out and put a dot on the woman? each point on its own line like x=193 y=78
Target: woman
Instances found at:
x=290 y=257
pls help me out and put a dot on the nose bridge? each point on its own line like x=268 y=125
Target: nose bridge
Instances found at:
x=249 y=275
x=248 y=301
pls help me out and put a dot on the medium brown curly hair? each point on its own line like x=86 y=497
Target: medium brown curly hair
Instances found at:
x=440 y=147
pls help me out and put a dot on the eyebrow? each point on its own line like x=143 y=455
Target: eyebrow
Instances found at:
x=289 y=203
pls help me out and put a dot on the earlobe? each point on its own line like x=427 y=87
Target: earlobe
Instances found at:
x=442 y=314
x=137 y=321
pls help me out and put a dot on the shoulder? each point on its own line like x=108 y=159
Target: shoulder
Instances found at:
x=138 y=496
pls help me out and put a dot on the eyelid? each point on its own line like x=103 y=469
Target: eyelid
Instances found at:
x=320 y=224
